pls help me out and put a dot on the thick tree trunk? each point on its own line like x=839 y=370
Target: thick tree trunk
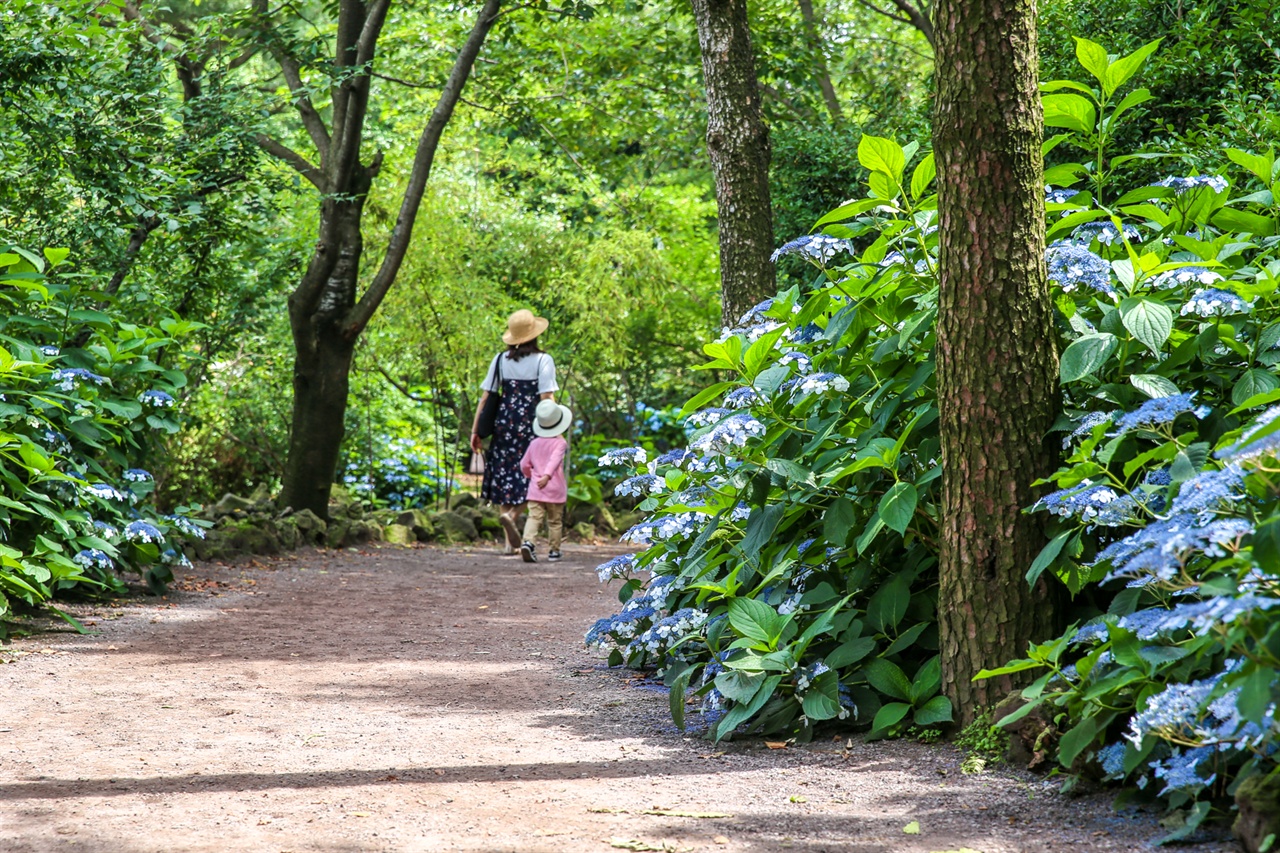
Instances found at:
x=997 y=360
x=322 y=355
x=738 y=144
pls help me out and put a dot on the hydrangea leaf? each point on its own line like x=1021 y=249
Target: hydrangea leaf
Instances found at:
x=936 y=710
x=1149 y=321
x=889 y=679
x=822 y=700
x=1093 y=57
x=898 y=506
x=1086 y=355
x=850 y=652
x=886 y=718
x=878 y=154
x=1253 y=383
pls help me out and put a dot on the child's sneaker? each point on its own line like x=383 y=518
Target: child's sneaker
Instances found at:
x=553 y=556
x=527 y=553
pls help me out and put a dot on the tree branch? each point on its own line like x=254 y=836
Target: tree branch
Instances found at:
x=351 y=98
x=310 y=118
x=398 y=244
x=824 y=73
x=300 y=164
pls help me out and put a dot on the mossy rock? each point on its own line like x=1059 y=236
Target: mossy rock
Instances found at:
x=463 y=499
x=261 y=497
x=229 y=504
x=586 y=531
x=1258 y=799
x=399 y=534
x=311 y=527
x=287 y=533
x=454 y=527
x=247 y=537
x=489 y=526
x=488 y=511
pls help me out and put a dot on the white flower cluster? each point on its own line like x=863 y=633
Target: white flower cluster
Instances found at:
x=1212 y=302
x=679 y=525
x=640 y=485
x=1185 y=275
x=733 y=431
x=623 y=456
x=799 y=359
x=662 y=633
x=104 y=492
x=1181 y=185
x=706 y=417
x=819 y=383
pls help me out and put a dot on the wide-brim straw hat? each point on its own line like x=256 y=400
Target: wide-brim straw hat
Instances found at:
x=523 y=327
x=551 y=419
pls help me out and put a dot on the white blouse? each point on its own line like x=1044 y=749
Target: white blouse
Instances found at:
x=537 y=365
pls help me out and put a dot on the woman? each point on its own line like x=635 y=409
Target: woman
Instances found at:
x=522 y=375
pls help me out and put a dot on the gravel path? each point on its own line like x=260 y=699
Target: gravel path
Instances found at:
x=431 y=700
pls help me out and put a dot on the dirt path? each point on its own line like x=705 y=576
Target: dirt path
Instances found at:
x=430 y=700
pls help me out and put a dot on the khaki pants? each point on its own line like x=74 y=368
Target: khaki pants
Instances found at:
x=554 y=516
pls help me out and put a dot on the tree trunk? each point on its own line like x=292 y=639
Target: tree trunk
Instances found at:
x=997 y=360
x=823 y=72
x=322 y=356
x=738 y=145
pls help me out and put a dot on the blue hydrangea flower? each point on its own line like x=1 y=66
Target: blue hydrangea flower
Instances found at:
x=104 y=492
x=156 y=399
x=68 y=378
x=185 y=525
x=138 y=475
x=674 y=458
x=806 y=334
x=1096 y=504
x=1212 y=302
x=1062 y=195
x=1250 y=448
x=623 y=456
x=50 y=351
x=1085 y=426
x=819 y=383
x=1156 y=412
x=105 y=530
x=741 y=398
x=679 y=525
x=618 y=567
x=1072 y=265
x=142 y=531
x=799 y=359
x=1111 y=759
x=814 y=247
x=1209 y=490
x=664 y=632
x=639 y=486
x=707 y=417
x=1194 y=182
x=1184 y=276
x=92 y=557
x=733 y=431
x=1104 y=232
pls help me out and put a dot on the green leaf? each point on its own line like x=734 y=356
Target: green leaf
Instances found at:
x=850 y=652
x=1093 y=57
x=1076 y=740
x=1125 y=67
x=837 y=521
x=1258 y=165
x=755 y=620
x=869 y=532
x=822 y=700
x=1153 y=386
x=878 y=154
x=1256 y=693
x=1254 y=382
x=889 y=604
x=1149 y=321
x=898 y=506
x=923 y=176
x=1047 y=555
x=887 y=717
x=739 y=686
x=848 y=210
x=1230 y=219
x=928 y=679
x=1266 y=545
x=791 y=470
x=760 y=527
x=739 y=714
x=888 y=678
x=1086 y=355
x=675 y=699
x=936 y=710
x=1072 y=112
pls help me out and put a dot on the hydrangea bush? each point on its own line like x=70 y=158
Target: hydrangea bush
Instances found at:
x=786 y=573
x=401 y=474
x=1165 y=518
x=80 y=398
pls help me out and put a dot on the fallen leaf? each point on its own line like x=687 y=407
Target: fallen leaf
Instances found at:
x=721 y=839
x=637 y=844
x=799 y=799
x=607 y=810
x=776 y=744
x=361 y=814
x=912 y=828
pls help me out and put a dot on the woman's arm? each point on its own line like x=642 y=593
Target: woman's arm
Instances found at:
x=476 y=441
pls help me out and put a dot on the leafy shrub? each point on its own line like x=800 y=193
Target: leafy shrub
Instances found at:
x=792 y=546
x=1166 y=509
x=81 y=397
x=400 y=475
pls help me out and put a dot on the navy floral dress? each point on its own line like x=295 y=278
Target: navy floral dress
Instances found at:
x=512 y=432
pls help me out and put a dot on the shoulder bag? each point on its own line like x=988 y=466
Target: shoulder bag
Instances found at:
x=489 y=414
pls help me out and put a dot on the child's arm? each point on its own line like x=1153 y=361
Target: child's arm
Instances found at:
x=556 y=462
x=526 y=463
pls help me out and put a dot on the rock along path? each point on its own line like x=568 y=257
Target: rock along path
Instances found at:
x=432 y=700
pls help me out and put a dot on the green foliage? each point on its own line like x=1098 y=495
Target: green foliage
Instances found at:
x=1166 y=500
x=794 y=550
x=81 y=399
x=983 y=739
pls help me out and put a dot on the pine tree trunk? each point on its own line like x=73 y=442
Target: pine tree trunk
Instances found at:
x=738 y=145
x=997 y=359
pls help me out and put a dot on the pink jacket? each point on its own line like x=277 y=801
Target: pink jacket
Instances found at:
x=546 y=456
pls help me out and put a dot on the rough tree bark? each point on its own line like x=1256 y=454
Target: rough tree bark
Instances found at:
x=997 y=361
x=327 y=312
x=738 y=145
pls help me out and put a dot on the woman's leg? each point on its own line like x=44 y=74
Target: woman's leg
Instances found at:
x=507 y=514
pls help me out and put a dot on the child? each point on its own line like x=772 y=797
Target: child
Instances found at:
x=543 y=464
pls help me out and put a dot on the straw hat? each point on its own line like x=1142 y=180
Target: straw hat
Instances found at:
x=551 y=419
x=523 y=327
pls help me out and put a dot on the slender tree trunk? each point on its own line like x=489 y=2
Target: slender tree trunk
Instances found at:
x=997 y=360
x=738 y=144
x=814 y=36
